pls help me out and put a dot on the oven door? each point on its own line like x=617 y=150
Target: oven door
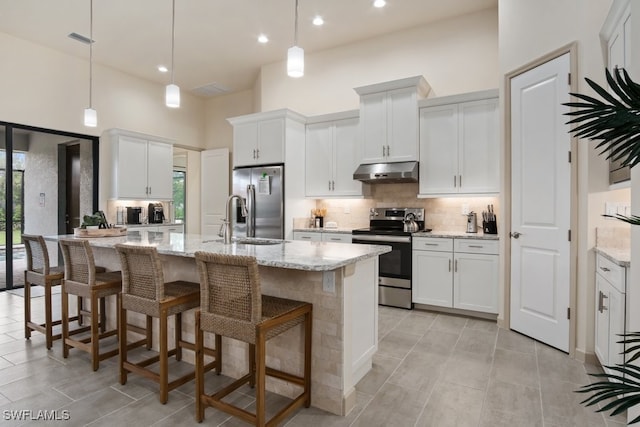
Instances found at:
x=395 y=266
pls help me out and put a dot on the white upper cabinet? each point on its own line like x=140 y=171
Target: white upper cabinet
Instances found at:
x=331 y=156
x=141 y=166
x=389 y=120
x=616 y=35
x=259 y=139
x=459 y=145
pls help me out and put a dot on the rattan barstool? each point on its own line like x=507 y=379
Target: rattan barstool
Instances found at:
x=40 y=273
x=82 y=280
x=231 y=305
x=145 y=291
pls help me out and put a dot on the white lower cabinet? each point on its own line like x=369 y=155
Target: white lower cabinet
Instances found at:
x=336 y=237
x=610 y=312
x=456 y=273
x=311 y=236
x=166 y=228
x=321 y=236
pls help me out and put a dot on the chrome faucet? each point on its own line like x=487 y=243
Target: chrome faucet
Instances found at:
x=226 y=231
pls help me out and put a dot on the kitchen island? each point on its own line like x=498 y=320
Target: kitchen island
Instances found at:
x=339 y=279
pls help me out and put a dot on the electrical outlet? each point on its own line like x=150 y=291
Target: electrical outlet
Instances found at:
x=347 y=209
x=329 y=281
x=610 y=208
x=465 y=209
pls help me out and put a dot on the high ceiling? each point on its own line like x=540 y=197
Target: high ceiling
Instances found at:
x=215 y=40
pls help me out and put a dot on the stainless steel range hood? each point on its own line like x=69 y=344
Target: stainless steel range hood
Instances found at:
x=387 y=172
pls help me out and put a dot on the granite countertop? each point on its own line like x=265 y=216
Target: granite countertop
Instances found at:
x=296 y=255
x=339 y=230
x=622 y=257
x=456 y=234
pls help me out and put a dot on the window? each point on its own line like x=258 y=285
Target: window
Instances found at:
x=179 y=195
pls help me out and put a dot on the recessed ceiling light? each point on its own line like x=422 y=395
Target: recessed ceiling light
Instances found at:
x=263 y=38
x=318 y=20
x=379 y=3
x=162 y=68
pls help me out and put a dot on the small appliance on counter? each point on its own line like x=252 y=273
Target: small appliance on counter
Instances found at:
x=472 y=222
x=156 y=213
x=134 y=215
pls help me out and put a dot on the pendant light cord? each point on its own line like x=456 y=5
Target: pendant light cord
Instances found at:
x=90 y=52
x=173 y=36
x=295 y=28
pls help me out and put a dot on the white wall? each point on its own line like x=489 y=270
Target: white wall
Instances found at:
x=443 y=52
x=455 y=56
x=529 y=30
x=43 y=87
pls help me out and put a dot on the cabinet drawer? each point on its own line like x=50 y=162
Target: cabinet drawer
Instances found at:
x=336 y=237
x=432 y=244
x=476 y=246
x=310 y=236
x=612 y=272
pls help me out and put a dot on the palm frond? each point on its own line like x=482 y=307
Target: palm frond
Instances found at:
x=633 y=219
x=615 y=122
x=620 y=388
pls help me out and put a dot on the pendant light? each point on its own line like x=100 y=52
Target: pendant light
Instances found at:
x=295 y=54
x=90 y=115
x=172 y=92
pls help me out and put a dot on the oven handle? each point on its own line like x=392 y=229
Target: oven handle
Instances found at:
x=379 y=238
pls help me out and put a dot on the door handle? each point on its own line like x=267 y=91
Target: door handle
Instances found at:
x=515 y=234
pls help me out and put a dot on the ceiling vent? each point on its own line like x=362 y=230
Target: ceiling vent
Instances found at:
x=212 y=89
x=80 y=38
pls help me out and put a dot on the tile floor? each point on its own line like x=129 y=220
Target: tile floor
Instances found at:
x=430 y=370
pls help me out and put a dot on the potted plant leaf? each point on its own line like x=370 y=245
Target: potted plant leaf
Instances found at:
x=92 y=221
x=614 y=122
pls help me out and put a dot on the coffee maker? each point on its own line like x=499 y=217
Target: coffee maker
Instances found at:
x=155 y=213
x=472 y=222
x=134 y=215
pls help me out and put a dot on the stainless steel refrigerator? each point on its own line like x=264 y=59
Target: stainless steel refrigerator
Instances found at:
x=263 y=190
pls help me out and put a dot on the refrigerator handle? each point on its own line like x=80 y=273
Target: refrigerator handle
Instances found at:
x=251 y=211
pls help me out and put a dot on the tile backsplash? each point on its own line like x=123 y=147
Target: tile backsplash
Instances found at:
x=443 y=213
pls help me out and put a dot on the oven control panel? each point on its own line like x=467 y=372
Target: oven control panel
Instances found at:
x=395 y=214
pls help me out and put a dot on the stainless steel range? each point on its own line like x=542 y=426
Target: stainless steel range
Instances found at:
x=388 y=226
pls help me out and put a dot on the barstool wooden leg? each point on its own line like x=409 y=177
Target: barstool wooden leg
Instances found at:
x=27 y=307
x=149 y=332
x=122 y=340
x=252 y=365
x=65 y=319
x=307 y=357
x=164 y=363
x=95 y=334
x=218 y=354
x=178 y=335
x=103 y=315
x=260 y=355
x=47 y=314
x=200 y=368
x=80 y=310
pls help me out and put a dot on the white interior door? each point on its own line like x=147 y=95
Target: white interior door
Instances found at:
x=541 y=184
x=214 y=186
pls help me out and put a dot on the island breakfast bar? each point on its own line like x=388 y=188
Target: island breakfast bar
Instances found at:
x=340 y=280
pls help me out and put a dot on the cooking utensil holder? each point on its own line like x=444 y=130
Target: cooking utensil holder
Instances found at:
x=490 y=227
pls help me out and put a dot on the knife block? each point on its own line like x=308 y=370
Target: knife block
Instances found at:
x=490 y=227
